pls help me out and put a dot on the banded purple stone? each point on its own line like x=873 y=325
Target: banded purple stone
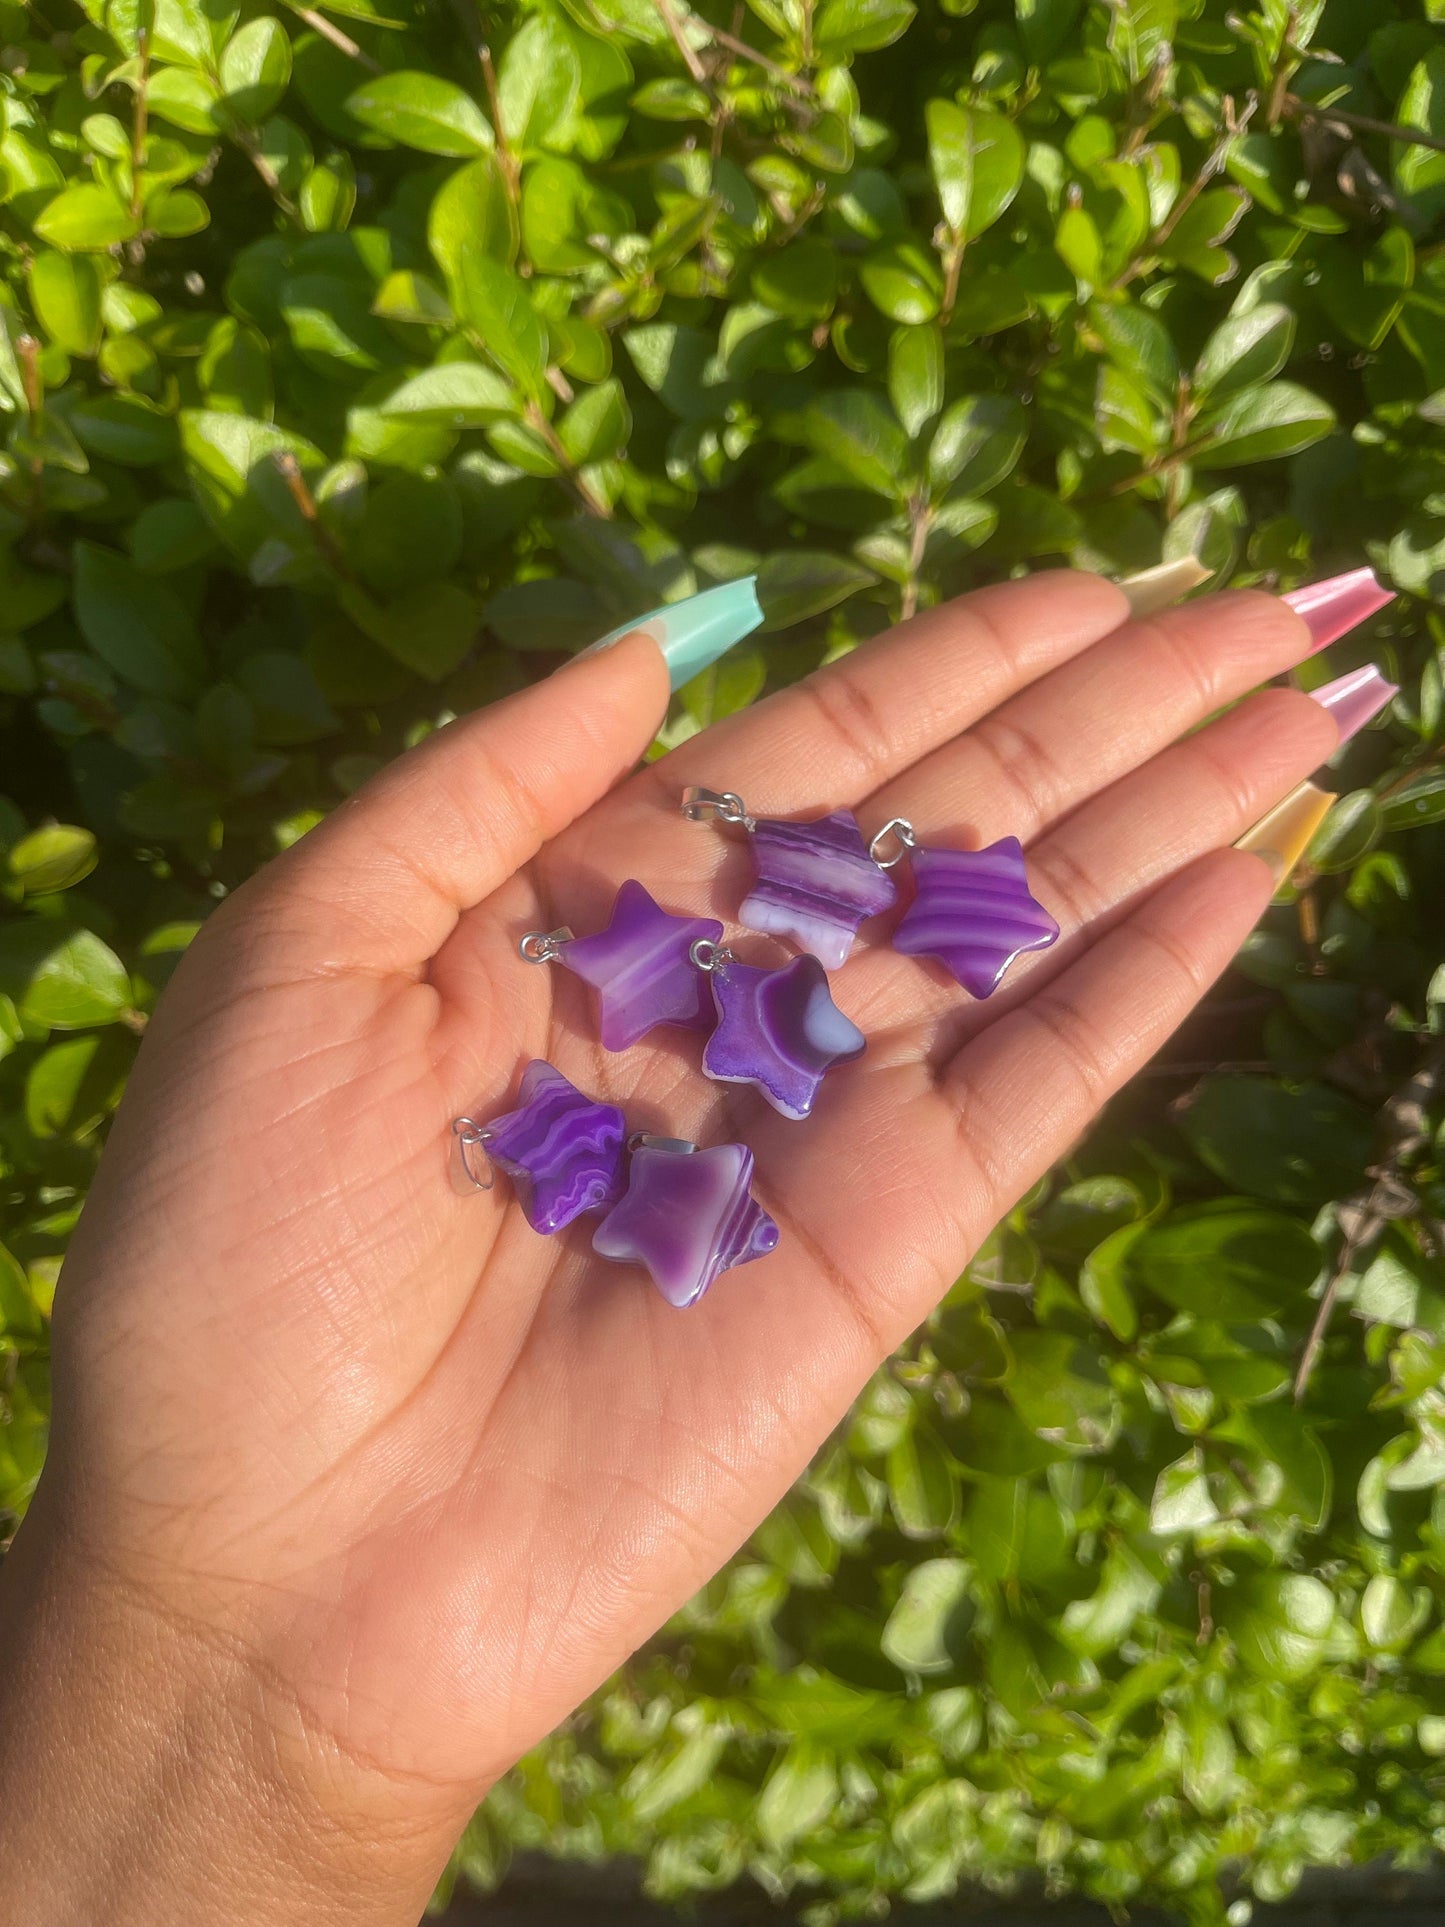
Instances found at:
x=562 y=1151
x=687 y=1217
x=815 y=884
x=642 y=970
x=974 y=912
x=778 y=1030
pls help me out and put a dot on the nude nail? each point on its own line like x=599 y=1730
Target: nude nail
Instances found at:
x=1150 y=590
x=1283 y=835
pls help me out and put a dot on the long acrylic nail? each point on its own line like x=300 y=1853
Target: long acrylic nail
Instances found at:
x=1355 y=699
x=1283 y=836
x=693 y=634
x=1338 y=604
x=1151 y=590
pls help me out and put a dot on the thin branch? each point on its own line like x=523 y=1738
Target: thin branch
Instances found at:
x=742 y=48
x=680 y=41
x=328 y=30
x=1299 y=109
x=592 y=502
x=1404 y=1128
x=300 y=493
x=139 y=120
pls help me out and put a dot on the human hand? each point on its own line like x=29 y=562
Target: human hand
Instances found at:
x=357 y=1486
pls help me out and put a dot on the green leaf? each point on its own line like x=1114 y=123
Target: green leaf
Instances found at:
x=976 y=444
x=1103 y=1282
x=977 y=159
x=915 y=376
x=255 y=70
x=472 y=216
x=1352 y=828
x=328 y=194
x=902 y=280
x=1420 y=171
x=1138 y=342
x=800 y=280
x=424 y=111
x=1364 y=293
x=798 y=1795
x=596 y=425
x=1280 y=1624
x=86 y=217
x=927 y=1630
x=429 y=629
x=1244 y=350
x=1140 y=32
x=125 y=428
x=231 y=464
x=135 y=624
x=53 y=858
x=60 y=976
x=1390 y=1614
x=922 y=1486
x=799 y=583
x=65 y=289
x=1099 y=1623
x=857 y=431
x=860 y=26
x=463 y=394
x=538 y=84
x=1226 y=1259
x=1262 y=423
x=1292 y=1144
x=494 y=303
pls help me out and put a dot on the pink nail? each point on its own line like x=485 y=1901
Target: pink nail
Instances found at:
x=1338 y=604
x=1354 y=698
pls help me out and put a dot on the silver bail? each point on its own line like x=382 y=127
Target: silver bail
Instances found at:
x=545 y=946
x=698 y=804
x=645 y=1141
x=471 y=1139
x=900 y=828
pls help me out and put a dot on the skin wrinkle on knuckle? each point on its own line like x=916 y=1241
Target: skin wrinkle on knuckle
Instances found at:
x=1020 y=757
x=1079 y=1047
x=851 y=719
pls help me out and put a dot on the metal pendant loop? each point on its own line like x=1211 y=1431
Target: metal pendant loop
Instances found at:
x=472 y=1138
x=544 y=946
x=698 y=804
x=647 y=1141
x=901 y=830
x=710 y=956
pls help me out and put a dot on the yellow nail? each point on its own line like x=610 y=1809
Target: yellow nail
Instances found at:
x=1283 y=836
x=1154 y=589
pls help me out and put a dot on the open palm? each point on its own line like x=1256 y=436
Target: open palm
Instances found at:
x=438 y=1475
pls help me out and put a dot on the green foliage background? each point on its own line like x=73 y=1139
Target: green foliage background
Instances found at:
x=355 y=361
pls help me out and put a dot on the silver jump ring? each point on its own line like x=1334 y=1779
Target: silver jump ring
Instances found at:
x=544 y=946
x=708 y=955
x=900 y=828
x=726 y=805
x=471 y=1137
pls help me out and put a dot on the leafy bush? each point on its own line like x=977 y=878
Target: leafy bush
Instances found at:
x=356 y=360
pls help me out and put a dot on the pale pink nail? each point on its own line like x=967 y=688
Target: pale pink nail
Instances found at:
x=1338 y=604
x=1355 y=698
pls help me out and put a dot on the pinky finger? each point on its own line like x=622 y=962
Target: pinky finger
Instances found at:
x=1087 y=1031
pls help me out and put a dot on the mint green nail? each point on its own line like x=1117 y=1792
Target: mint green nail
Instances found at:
x=693 y=634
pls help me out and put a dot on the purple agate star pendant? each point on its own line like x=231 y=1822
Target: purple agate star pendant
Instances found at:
x=640 y=966
x=816 y=882
x=973 y=911
x=563 y=1152
x=687 y=1216
x=778 y=1030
